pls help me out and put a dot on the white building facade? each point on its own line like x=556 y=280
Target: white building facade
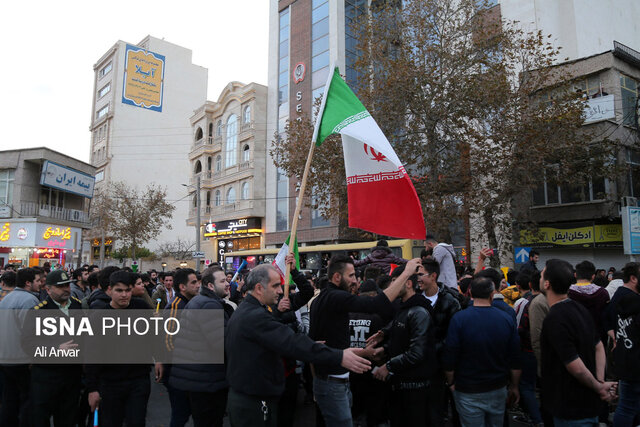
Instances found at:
x=144 y=95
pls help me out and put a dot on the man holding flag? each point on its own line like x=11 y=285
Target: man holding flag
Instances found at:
x=376 y=180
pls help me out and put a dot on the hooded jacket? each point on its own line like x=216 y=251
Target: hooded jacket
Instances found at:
x=98 y=299
x=627 y=352
x=410 y=347
x=445 y=255
x=381 y=257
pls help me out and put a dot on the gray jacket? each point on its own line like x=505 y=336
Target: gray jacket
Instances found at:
x=444 y=254
x=20 y=301
x=76 y=291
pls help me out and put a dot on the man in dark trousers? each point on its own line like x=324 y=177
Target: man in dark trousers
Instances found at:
x=410 y=355
x=187 y=287
x=330 y=323
x=256 y=343
x=55 y=389
x=204 y=384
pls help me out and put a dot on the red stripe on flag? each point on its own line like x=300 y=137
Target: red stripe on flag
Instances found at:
x=389 y=207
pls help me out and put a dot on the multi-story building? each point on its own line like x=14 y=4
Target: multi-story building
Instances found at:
x=228 y=159
x=584 y=222
x=580 y=27
x=305 y=37
x=44 y=201
x=144 y=95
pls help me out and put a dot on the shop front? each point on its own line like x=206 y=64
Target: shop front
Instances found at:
x=234 y=235
x=578 y=241
x=29 y=243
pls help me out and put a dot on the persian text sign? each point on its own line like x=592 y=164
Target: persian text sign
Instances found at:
x=598 y=109
x=67 y=179
x=143 y=78
x=599 y=233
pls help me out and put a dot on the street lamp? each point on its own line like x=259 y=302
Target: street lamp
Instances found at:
x=197 y=220
x=164 y=264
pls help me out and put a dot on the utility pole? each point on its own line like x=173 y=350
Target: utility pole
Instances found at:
x=198 y=221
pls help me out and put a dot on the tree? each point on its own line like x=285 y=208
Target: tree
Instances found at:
x=135 y=217
x=445 y=82
x=100 y=217
x=181 y=249
x=124 y=252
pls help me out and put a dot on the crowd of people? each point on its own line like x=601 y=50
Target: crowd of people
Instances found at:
x=372 y=342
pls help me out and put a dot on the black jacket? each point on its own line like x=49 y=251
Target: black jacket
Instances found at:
x=98 y=299
x=330 y=319
x=48 y=308
x=300 y=298
x=446 y=306
x=255 y=342
x=627 y=352
x=382 y=257
x=99 y=375
x=195 y=341
x=409 y=346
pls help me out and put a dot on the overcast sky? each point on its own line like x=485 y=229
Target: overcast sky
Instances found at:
x=49 y=48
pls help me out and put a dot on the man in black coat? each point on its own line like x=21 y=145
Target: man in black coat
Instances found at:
x=55 y=388
x=410 y=355
x=205 y=384
x=330 y=323
x=256 y=342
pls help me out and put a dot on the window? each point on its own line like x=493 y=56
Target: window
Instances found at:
x=245 y=191
x=551 y=192
x=282 y=202
x=232 y=141
x=6 y=186
x=218 y=163
x=246 y=153
x=247 y=114
x=317 y=220
x=231 y=195
x=99 y=176
x=629 y=89
x=217 y=199
x=209 y=163
x=633 y=164
x=102 y=112
x=219 y=128
x=105 y=90
x=198 y=167
x=208 y=198
x=199 y=133
x=105 y=70
x=210 y=129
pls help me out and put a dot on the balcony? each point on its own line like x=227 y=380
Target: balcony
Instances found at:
x=246 y=130
x=205 y=145
x=33 y=209
x=238 y=209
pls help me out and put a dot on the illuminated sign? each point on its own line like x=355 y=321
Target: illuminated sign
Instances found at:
x=237 y=226
x=298 y=72
x=67 y=179
x=22 y=234
x=63 y=233
x=4 y=232
x=143 y=78
x=48 y=253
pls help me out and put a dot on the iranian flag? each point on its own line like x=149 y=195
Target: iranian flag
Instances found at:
x=279 y=263
x=382 y=198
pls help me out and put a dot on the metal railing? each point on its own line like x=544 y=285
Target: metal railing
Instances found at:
x=63 y=214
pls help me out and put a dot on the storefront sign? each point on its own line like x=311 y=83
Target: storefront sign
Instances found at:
x=53 y=236
x=48 y=253
x=228 y=228
x=5 y=232
x=579 y=236
x=631 y=227
x=67 y=179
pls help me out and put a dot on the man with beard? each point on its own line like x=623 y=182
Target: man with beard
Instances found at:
x=410 y=353
x=205 y=384
x=55 y=388
x=330 y=323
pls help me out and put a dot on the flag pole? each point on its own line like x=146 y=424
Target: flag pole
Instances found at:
x=305 y=176
x=296 y=215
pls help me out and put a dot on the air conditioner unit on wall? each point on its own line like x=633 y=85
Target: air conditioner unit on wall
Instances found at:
x=629 y=201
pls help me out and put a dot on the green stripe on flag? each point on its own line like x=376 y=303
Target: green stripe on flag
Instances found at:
x=296 y=255
x=342 y=108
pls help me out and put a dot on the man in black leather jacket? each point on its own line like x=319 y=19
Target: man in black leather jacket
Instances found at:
x=410 y=354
